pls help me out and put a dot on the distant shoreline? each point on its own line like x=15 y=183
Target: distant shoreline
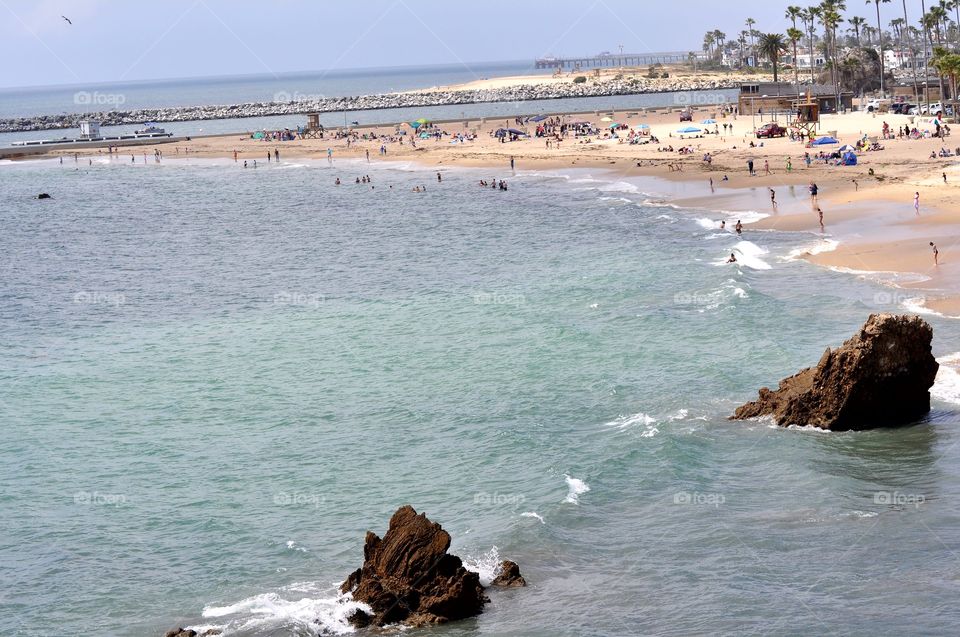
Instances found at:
x=483 y=92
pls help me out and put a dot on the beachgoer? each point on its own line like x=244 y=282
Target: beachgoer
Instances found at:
x=732 y=259
x=723 y=224
x=936 y=253
x=820 y=216
x=916 y=202
x=739 y=228
x=439 y=177
x=814 y=191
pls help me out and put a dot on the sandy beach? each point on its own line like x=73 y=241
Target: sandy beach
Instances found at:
x=869 y=216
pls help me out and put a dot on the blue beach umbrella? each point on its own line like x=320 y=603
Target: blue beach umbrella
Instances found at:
x=709 y=121
x=688 y=130
x=643 y=126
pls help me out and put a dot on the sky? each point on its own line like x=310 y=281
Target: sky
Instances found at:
x=124 y=40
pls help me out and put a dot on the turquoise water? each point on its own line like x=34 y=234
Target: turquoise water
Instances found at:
x=214 y=380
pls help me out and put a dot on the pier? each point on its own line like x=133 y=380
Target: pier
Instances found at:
x=614 y=60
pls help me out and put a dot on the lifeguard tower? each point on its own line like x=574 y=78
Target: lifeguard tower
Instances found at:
x=806 y=117
x=89 y=129
x=314 y=129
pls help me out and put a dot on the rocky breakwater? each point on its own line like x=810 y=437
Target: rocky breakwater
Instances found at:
x=408 y=577
x=520 y=93
x=879 y=378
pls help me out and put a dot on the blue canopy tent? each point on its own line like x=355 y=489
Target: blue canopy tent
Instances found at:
x=503 y=132
x=824 y=141
x=538 y=118
x=849 y=158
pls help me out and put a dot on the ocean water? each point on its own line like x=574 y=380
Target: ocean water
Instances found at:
x=214 y=380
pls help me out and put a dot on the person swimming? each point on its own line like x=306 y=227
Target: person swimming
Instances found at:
x=732 y=259
x=739 y=228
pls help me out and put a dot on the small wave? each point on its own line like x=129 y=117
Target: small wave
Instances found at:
x=946 y=387
x=575 y=488
x=822 y=245
x=626 y=422
x=532 y=514
x=749 y=255
x=270 y=612
x=621 y=199
x=486 y=565
x=293 y=547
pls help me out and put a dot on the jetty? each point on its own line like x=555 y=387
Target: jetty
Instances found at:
x=604 y=60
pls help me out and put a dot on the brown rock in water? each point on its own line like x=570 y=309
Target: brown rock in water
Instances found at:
x=189 y=632
x=879 y=378
x=509 y=576
x=409 y=577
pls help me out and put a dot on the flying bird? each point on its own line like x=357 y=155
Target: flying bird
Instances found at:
x=67 y=19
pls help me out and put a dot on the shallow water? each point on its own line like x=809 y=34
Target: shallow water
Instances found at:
x=214 y=380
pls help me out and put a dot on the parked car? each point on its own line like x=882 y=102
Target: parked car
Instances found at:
x=771 y=130
x=872 y=105
x=686 y=116
x=902 y=108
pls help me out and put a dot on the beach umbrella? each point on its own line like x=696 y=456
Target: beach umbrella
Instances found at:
x=689 y=130
x=847 y=148
x=615 y=124
x=538 y=118
x=709 y=121
x=825 y=141
x=643 y=126
x=606 y=119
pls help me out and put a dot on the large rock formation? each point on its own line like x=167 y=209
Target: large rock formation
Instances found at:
x=879 y=378
x=409 y=577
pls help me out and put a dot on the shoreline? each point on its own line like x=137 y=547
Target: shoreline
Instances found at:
x=870 y=218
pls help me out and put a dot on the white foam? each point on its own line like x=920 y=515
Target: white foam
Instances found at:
x=821 y=245
x=269 y=612
x=575 y=488
x=293 y=547
x=708 y=224
x=626 y=422
x=946 y=387
x=487 y=565
x=749 y=255
x=532 y=514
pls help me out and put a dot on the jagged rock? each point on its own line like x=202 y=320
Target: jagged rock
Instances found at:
x=509 y=576
x=189 y=632
x=408 y=576
x=879 y=378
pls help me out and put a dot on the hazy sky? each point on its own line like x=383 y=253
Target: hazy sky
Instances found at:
x=114 y=40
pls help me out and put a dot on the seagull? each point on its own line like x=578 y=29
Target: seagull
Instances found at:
x=67 y=19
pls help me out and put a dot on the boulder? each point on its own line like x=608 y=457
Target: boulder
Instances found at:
x=189 y=632
x=879 y=378
x=509 y=576
x=408 y=576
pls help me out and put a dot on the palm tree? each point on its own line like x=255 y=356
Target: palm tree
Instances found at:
x=795 y=35
x=913 y=55
x=933 y=22
x=812 y=14
x=772 y=46
x=708 y=42
x=856 y=22
x=719 y=37
x=753 y=43
x=880 y=37
x=947 y=64
x=742 y=41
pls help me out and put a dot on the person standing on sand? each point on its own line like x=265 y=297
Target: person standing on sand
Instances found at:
x=814 y=191
x=276 y=155
x=268 y=156
x=916 y=202
x=944 y=177
x=820 y=216
x=789 y=165
x=368 y=155
x=739 y=228
x=329 y=155
x=750 y=167
x=766 y=167
x=936 y=253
